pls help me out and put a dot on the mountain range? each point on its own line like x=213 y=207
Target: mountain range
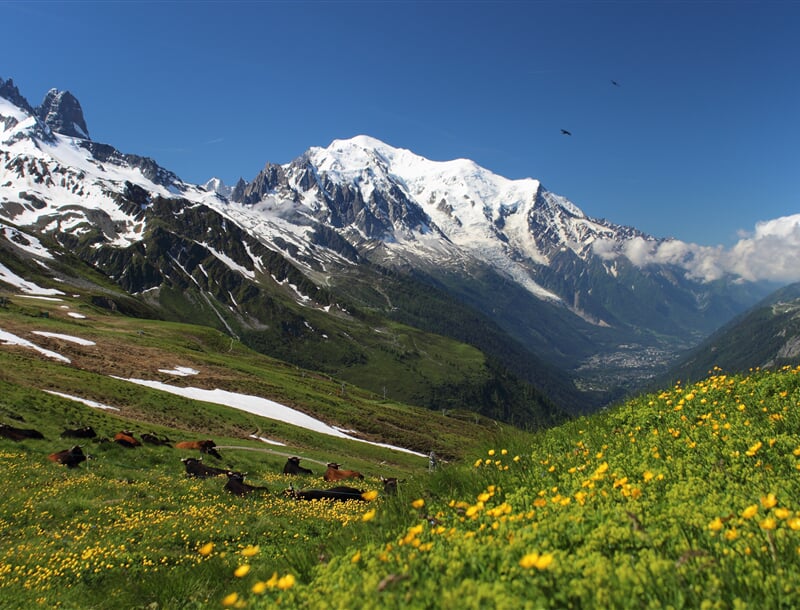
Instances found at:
x=356 y=259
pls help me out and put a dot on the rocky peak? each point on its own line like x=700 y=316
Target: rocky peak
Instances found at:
x=61 y=112
x=9 y=91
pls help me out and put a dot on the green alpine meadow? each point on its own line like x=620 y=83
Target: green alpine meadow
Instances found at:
x=682 y=498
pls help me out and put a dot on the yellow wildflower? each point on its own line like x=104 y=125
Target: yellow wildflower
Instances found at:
x=418 y=503
x=356 y=558
x=242 y=570
x=369 y=515
x=370 y=495
x=750 y=511
x=259 y=587
x=715 y=525
x=753 y=449
x=732 y=534
x=230 y=600
x=286 y=582
x=251 y=550
x=206 y=549
x=535 y=560
x=769 y=500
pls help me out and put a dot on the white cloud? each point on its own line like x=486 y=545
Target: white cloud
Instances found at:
x=770 y=252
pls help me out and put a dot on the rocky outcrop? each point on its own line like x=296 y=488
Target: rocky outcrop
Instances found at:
x=61 y=111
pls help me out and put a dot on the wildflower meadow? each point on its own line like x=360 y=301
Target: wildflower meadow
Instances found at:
x=686 y=498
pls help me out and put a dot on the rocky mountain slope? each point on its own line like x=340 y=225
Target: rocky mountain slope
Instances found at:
x=765 y=336
x=363 y=233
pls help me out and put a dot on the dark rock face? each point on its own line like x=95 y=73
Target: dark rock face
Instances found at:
x=61 y=111
x=9 y=91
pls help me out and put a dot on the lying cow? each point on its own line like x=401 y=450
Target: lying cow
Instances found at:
x=152 y=439
x=126 y=439
x=340 y=494
x=206 y=447
x=196 y=468
x=85 y=432
x=335 y=474
x=19 y=434
x=389 y=485
x=68 y=457
x=237 y=486
x=293 y=467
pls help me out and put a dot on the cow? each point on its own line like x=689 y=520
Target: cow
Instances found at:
x=389 y=485
x=206 y=447
x=152 y=439
x=126 y=439
x=68 y=457
x=196 y=468
x=237 y=486
x=293 y=467
x=85 y=432
x=19 y=434
x=340 y=494
x=334 y=474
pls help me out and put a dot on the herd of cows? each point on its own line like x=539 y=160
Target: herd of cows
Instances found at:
x=194 y=467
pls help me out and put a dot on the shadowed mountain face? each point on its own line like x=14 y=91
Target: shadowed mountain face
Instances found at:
x=765 y=336
x=62 y=113
x=363 y=233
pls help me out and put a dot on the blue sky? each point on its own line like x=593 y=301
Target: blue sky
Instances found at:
x=700 y=141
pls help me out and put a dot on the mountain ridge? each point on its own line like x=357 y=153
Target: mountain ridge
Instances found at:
x=320 y=229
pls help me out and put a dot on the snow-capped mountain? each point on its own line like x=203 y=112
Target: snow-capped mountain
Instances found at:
x=404 y=208
x=361 y=223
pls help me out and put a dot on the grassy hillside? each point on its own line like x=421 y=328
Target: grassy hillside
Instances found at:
x=686 y=498
x=362 y=347
x=125 y=348
x=767 y=335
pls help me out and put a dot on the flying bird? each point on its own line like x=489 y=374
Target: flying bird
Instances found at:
x=615 y=83
x=565 y=132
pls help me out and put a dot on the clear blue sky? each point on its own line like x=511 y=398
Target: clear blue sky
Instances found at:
x=700 y=140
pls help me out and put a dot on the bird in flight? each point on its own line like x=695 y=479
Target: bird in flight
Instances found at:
x=615 y=83
x=565 y=132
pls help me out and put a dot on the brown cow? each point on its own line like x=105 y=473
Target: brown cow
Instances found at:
x=126 y=439
x=334 y=474
x=68 y=457
x=206 y=447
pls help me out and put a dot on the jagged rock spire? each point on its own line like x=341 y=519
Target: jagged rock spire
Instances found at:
x=9 y=91
x=61 y=111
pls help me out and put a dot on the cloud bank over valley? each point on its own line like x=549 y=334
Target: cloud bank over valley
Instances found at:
x=770 y=252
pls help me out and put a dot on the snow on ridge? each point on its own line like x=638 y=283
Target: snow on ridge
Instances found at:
x=7 y=338
x=32 y=289
x=11 y=110
x=88 y=403
x=69 y=338
x=232 y=264
x=180 y=371
x=24 y=241
x=258 y=406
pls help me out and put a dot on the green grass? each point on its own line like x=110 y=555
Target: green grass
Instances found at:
x=686 y=498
